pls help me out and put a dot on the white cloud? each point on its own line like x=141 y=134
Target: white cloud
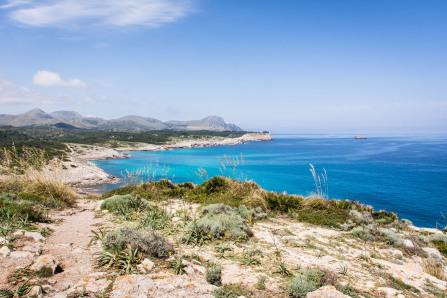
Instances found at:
x=13 y=94
x=83 y=13
x=89 y=100
x=51 y=79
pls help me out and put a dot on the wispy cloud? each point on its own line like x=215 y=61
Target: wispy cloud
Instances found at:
x=47 y=78
x=83 y=13
x=13 y=94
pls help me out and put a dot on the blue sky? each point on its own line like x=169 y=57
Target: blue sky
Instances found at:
x=284 y=66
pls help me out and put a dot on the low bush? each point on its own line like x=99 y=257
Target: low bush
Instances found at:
x=232 y=291
x=219 y=222
x=214 y=275
x=299 y=287
x=125 y=204
x=364 y=233
x=156 y=219
x=148 y=243
x=392 y=238
x=384 y=217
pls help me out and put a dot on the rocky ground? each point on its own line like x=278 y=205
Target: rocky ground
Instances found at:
x=372 y=269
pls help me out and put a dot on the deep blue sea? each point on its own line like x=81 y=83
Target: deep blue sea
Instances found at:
x=405 y=175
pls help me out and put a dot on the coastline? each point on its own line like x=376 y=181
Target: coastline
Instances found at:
x=79 y=171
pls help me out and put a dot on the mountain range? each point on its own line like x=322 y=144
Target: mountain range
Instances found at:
x=70 y=119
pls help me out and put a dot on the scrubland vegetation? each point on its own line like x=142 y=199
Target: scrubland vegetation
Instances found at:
x=224 y=225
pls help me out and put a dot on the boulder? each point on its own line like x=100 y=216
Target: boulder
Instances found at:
x=326 y=292
x=45 y=261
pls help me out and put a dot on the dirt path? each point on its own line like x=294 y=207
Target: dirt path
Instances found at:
x=68 y=243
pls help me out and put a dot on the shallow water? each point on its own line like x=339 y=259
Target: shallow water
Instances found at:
x=405 y=175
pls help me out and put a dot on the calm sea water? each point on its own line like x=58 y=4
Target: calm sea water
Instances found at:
x=404 y=175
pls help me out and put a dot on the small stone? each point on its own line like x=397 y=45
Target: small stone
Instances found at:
x=147 y=264
x=326 y=292
x=176 y=219
x=189 y=270
x=45 y=261
x=35 y=291
x=408 y=243
x=397 y=254
x=393 y=230
x=199 y=268
x=5 y=251
x=3 y=241
x=400 y=296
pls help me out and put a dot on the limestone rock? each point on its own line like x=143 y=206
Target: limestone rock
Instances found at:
x=5 y=251
x=21 y=255
x=408 y=243
x=35 y=235
x=35 y=291
x=161 y=285
x=130 y=285
x=33 y=248
x=432 y=251
x=189 y=270
x=91 y=285
x=147 y=265
x=326 y=292
x=397 y=254
x=45 y=261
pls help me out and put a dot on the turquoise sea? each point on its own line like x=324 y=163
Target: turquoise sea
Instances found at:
x=405 y=175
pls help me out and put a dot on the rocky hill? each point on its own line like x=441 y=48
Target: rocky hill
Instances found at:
x=37 y=117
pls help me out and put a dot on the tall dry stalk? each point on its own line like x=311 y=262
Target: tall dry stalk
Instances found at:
x=146 y=174
x=321 y=184
x=233 y=167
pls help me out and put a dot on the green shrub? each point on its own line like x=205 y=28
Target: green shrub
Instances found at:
x=45 y=271
x=282 y=202
x=231 y=291
x=156 y=219
x=149 y=243
x=364 y=233
x=384 y=217
x=439 y=237
x=299 y=287
x=218 y=226
x=441 y=246
x=214 y=275
x=125 y=204
x=392 y=238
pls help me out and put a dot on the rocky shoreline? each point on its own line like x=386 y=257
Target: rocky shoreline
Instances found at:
x=79 y=171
